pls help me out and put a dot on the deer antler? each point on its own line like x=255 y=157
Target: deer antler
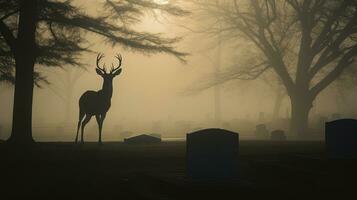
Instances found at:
x=99 y=57
x=118 y=56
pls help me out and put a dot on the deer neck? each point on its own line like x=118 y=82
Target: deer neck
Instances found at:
x=107 y=89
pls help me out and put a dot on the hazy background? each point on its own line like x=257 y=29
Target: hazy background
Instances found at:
x=158 y=94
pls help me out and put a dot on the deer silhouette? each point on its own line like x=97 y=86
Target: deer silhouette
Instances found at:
x=98 y=103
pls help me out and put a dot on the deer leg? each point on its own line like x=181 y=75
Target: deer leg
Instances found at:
x=81 y=115
x=100 y=120
x=84 y=123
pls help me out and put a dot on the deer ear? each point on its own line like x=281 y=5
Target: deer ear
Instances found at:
x=116 y=73
x=99 y=72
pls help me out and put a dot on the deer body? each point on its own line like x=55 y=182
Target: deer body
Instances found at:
x=97 y=103
x=94 y=103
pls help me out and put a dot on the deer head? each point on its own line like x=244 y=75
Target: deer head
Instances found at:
x=114 y=71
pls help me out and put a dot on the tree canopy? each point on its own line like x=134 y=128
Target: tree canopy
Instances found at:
x=62 y=28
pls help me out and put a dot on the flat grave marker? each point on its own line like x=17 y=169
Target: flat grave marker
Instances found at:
x=142 y=139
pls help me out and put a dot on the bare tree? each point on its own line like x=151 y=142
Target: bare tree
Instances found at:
x=308 y=43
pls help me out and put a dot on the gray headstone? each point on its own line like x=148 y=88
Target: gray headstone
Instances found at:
x=278 y=135
x=341 y=138
x=261 y=131
x=212 y=153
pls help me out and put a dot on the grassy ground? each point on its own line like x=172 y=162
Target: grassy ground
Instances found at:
x=120 y=171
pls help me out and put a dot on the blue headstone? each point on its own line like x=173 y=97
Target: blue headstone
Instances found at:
x=341 y=138
x=212 y=153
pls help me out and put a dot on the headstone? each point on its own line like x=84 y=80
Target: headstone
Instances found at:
x=261 y=131
x=142 y=139
x=341 y=138
x=212 y=153
x=277 y=135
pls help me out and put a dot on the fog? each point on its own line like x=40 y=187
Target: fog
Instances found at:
x=158 y=93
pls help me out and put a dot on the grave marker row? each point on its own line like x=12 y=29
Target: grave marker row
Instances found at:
x=262 y=132
x=213 y=153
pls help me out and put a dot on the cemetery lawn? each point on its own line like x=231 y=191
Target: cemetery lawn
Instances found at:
x=280 y=169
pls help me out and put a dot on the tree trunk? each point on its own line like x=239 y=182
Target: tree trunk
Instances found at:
x=25 y=57
x=300 y=108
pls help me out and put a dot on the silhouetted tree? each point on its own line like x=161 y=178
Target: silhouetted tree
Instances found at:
x=52 y=33
x=308 y=43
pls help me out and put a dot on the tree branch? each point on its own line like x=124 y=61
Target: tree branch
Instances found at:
x=333 y=51
x=9 y=14
x=326 y=30
x=274 y=56
x=8 y=36
x=345 y=61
